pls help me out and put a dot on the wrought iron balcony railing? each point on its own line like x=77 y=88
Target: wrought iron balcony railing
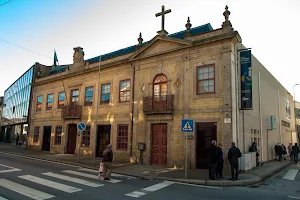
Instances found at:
x=158 y=104
x=72 y=111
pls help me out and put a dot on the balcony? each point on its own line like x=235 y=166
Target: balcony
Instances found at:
x=159 y=104
x=72 y=111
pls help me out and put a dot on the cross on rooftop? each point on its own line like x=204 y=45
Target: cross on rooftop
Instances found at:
x=162 y=14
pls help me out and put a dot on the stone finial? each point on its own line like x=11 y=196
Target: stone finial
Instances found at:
x=226 y=14
x=188 y=24
x=140 y=39
x=227 y=26
x=188 y=28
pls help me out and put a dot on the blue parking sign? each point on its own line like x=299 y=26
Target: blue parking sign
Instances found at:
x=81 y=126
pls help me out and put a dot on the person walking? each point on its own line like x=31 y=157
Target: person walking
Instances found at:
x=213 y=160
x=107 y=162
x=290 y=149
x=234 y=154
x=296 y=152
x=220 y=161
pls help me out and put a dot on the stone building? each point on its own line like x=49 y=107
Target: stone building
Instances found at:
x=143 y=93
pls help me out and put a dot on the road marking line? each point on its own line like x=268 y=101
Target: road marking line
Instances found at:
x=158 y=186
x=74 y=180
x=152 y=188
x=2 y=198
x=203 y=186
x=291 y=174
x=39 y=159
x=89 y=176
x=6 y=166
x=135 y=194
x=293 y=197
x=10 y=170
x=113 y=174
x=52 y=184
x=24 y=190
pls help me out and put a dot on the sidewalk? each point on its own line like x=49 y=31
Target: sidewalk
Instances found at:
x=199 y=177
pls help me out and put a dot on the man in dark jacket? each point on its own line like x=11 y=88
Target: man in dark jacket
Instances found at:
x=296 y=152
x=213 y=160
x=220 y=161
x=233 y=156
x=107 y=162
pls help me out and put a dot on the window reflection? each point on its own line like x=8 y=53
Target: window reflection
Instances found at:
x=16 y=98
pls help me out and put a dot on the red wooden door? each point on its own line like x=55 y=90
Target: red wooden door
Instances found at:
x=72 y=134
x=159 y=144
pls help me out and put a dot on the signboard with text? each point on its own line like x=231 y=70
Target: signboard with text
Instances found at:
x=246 y=80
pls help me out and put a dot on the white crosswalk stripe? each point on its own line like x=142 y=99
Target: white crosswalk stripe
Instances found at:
x=74 y=180
x=149 y=189
x=88 y=176
x=112 y=174
x=2 y=198
x=24 y=190
x=51 y=184
x=290 y=174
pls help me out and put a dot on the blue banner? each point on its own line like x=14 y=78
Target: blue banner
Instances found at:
x=246 y=80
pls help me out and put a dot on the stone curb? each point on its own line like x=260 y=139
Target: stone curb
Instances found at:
x=188 y=181
x=251 y=181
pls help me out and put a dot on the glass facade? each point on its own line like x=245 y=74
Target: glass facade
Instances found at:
x=17 y=99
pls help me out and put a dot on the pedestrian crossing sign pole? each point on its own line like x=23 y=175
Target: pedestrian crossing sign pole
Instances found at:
x=187 y=126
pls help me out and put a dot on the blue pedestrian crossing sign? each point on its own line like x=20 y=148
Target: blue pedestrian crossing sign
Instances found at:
x=187 y=125
x=81 y=126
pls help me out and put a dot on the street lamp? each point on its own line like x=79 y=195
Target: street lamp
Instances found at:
x=295 y=109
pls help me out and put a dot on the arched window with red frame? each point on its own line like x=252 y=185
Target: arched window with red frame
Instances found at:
x=160 y=87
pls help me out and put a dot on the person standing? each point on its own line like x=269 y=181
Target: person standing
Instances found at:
x=296 y=152
x=253 y=148
x=290 y=149
x=283 y=151
x=234 y=154
x=17 y=139
x=220 y=161
x=278 y=151
x=213 y=160
x=107 y=162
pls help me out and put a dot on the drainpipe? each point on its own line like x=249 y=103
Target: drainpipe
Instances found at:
x=132 y=108
x=279 y=119
x=260 y=116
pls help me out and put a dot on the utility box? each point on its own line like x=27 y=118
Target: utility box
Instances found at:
x=246 y=162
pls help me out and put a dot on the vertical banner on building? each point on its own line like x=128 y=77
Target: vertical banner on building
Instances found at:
x=246 y=80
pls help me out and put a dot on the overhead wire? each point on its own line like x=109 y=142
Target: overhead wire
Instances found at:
x=25 y=49
x=5 y=2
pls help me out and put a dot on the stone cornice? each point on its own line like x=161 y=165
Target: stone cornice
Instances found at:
x=127 y=61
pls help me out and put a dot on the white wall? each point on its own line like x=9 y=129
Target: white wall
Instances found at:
x=271 y=104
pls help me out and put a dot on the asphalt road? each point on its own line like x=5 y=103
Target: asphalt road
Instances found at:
x=24 y=179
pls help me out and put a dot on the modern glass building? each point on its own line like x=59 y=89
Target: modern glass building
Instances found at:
x=17 y=97
x=16 y=106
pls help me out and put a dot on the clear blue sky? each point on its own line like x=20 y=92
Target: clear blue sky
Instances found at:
x=269 y=27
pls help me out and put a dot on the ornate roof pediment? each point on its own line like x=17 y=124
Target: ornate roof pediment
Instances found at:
x=159 y=45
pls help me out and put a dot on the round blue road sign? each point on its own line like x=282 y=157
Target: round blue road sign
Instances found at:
x=81 y=126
